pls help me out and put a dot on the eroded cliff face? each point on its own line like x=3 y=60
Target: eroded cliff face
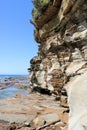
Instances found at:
x=61 y=34
x=61 y=30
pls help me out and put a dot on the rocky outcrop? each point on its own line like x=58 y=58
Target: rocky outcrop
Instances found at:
x=61 y=34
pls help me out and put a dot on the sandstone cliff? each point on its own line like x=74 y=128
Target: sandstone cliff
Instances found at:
x=61 y=34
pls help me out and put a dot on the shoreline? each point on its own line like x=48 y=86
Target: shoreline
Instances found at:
x=18 y=82
x=31 y=111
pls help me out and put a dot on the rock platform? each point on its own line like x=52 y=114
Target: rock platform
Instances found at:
x=26 y=111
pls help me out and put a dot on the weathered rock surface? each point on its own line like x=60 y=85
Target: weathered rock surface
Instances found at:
x=61 y=33
x=30 y=112
x=77 y=97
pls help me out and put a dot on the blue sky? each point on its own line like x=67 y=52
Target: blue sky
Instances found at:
x=17 y=45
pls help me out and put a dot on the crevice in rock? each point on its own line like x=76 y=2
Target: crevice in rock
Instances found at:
x=42 y=90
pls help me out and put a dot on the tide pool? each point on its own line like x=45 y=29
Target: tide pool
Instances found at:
x=10 y=92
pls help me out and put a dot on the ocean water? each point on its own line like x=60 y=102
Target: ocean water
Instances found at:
x=11 y=91
x=13 y=76
x=2 y=77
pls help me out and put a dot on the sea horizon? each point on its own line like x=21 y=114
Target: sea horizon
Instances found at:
x=12 y=75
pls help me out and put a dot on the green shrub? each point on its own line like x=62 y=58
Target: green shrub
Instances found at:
x=36 y=36
x=40 y=3
x=35 y=13
x=44 y=2
x=39 y=7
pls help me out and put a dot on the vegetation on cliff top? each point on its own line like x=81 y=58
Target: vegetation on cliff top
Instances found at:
x=40 y=3
x=39 y=7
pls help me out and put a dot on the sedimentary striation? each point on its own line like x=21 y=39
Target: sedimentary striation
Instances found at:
x=61 y=63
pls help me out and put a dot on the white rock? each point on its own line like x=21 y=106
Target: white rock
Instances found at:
x=77 y=99
x=74 y=66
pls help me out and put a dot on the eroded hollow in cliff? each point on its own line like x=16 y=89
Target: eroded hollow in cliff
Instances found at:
x=42 y=90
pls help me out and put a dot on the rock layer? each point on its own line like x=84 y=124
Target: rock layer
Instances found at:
x=61 y=33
